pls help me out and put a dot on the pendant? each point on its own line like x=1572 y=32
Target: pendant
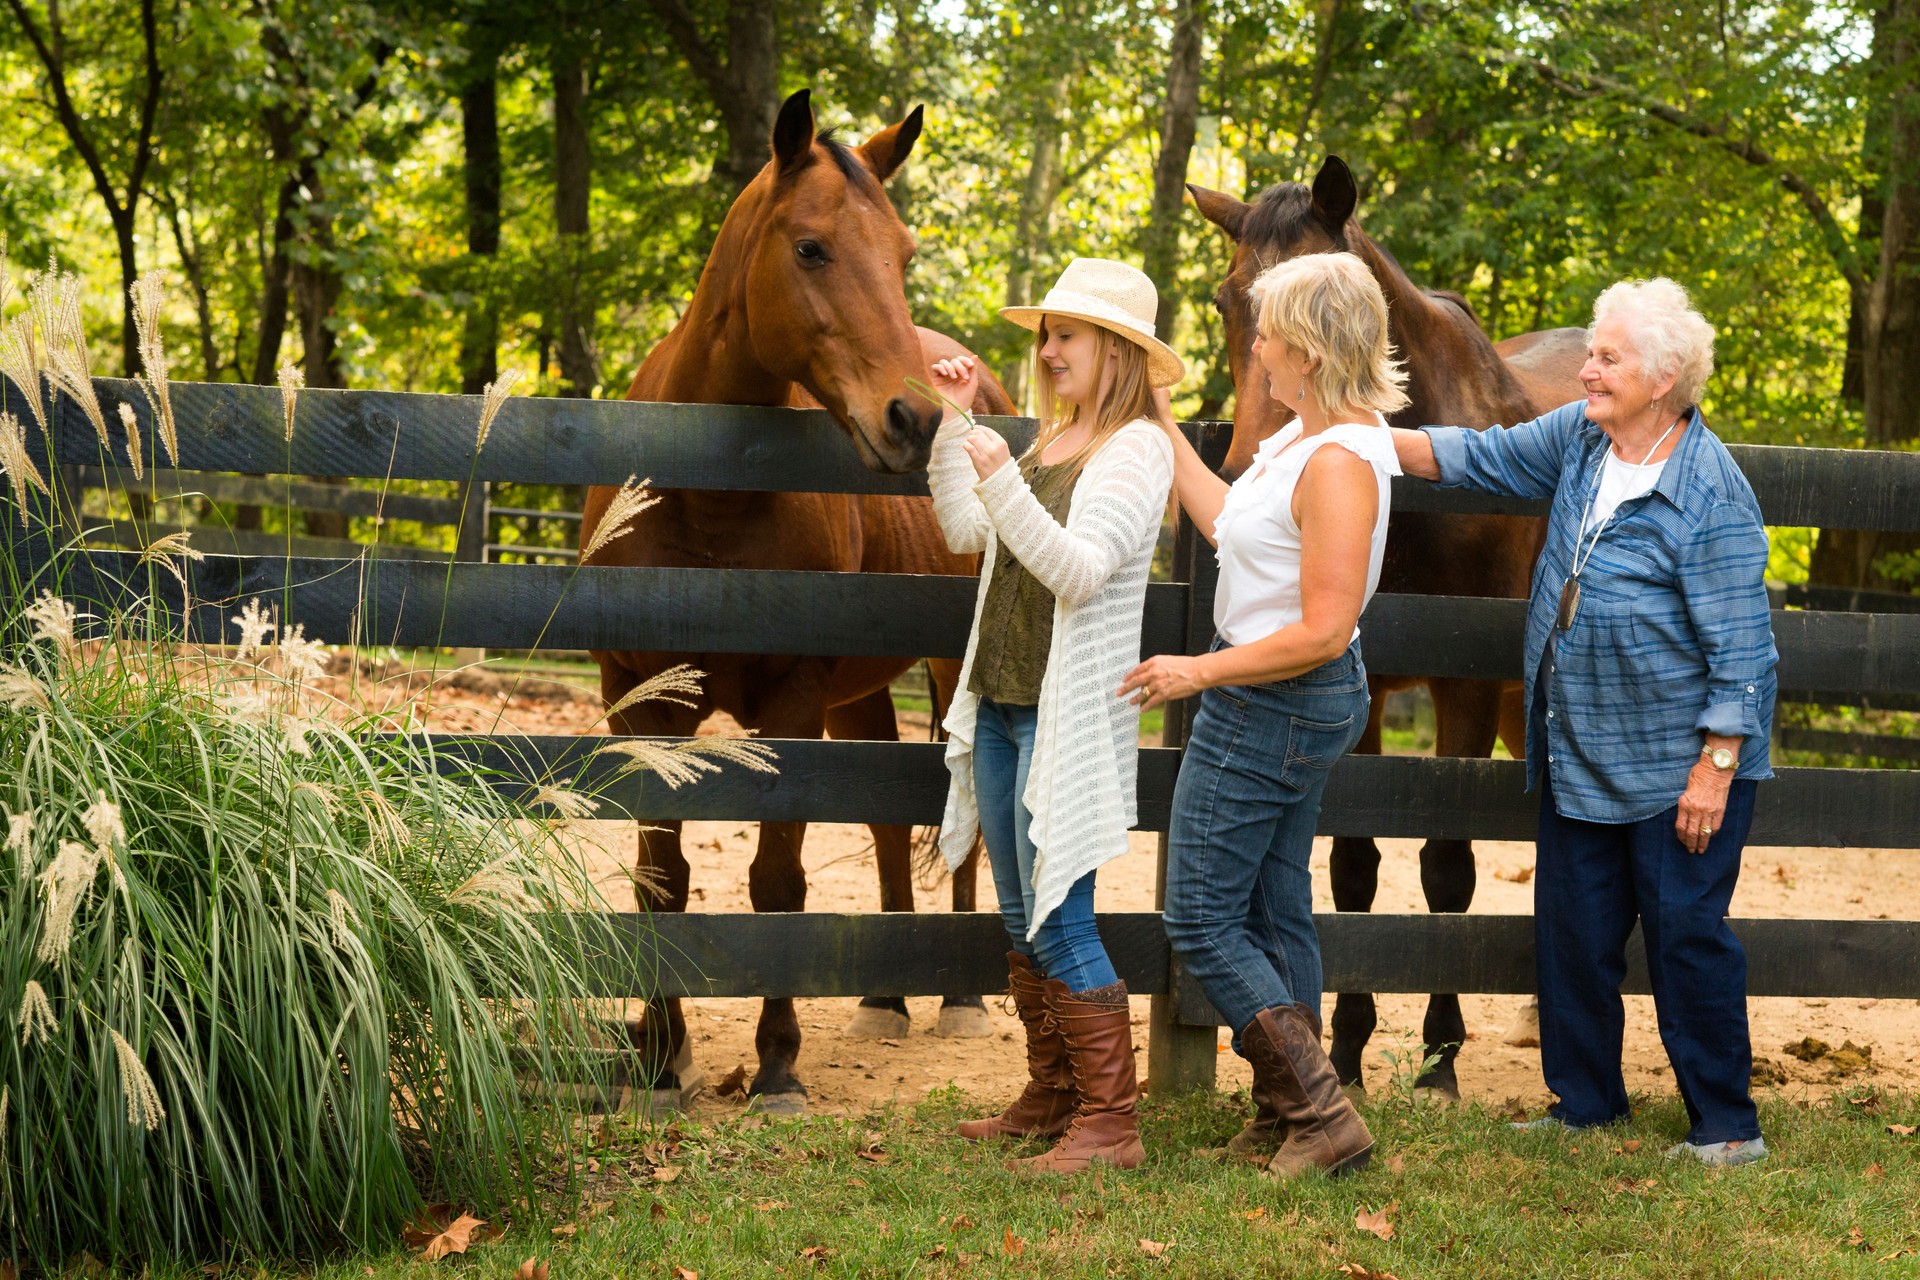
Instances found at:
x=1569 y=603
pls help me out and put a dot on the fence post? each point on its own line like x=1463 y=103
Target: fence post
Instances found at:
x=1180 y=1058
x=470 y=547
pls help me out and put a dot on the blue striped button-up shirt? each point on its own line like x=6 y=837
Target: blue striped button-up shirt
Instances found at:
x=1672 y=637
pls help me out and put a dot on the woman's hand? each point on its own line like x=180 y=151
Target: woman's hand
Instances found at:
x=1702 y=805
x=957 y=379
x=1166 y=678
x=987 y=451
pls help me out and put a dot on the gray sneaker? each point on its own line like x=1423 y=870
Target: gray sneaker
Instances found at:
x=1550 y=1124
x=1721 y=1155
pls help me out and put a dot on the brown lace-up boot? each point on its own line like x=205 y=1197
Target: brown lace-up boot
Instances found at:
x=1323 y=1129
x=1050 y=1097
x=1264 y=1134
x=1106 y=1128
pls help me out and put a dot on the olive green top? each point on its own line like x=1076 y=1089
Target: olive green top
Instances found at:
x=1016 y=622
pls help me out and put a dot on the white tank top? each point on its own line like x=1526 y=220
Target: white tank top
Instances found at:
x=1257 y=539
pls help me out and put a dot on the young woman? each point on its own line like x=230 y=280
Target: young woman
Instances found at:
x=1042 y=756
x=1300 y=536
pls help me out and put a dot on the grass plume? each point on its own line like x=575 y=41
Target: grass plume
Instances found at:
x=149 y=296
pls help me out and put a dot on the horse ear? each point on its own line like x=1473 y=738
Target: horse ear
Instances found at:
x=1221 y=209
x=1334 y=194
x=888 y=149
x=793 y=132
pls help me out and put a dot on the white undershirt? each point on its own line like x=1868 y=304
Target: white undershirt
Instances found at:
x=1620 y=481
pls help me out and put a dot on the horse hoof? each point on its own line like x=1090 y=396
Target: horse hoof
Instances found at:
x=782 y=1105
x=1436 y=1095
x=1525 y=1031
x=871 y=1023
x=963 y=1022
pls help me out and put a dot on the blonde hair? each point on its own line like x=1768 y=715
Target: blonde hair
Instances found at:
x=1329 y=306
x=1668 y=334
x=1128 y=396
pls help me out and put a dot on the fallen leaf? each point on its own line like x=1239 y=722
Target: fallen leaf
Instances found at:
x=659 y=1211
x=1396 y=1164
x=666 y=1173
x=938 y=1251
x=433 y=1219
x=1153 y=1248
x=1254 y=1215
x=1901 y=1130
x=1630 y=1146
x=1015 y=1246
x=735 y=1081
x=1633 y=1186
x=455 y=1239
x=816 y=1253
x=1355 y=1271
x=684 y=1273
x=1868 y=1102
x=1897 y=1253
x=702 y=1219
x=768 y=1206
x=1378 y=1221
x=1874 y=1172
x=566 y=1230
x=531 y=1269
x=1856 y=1240
x=873 y=1156
x=856 y=1182
x=961 y=1220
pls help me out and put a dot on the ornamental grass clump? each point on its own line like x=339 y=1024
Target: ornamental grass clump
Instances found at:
x=267 y=981
x=272 y=976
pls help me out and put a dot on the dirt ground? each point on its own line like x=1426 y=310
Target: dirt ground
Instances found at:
x=848 y=1075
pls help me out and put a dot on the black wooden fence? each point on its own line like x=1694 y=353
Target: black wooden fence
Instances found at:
x=1829 y=656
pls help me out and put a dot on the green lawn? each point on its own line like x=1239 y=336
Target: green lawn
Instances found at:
x=893 y=1195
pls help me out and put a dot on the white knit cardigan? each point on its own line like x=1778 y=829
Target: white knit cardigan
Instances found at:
x=1080 y=788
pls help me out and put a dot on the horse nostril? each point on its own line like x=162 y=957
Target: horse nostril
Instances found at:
x=908 y=426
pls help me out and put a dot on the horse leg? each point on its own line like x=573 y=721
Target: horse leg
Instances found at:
x=1466 y=719
x=961 y=1017
x=777 y=881
x=1524 y=1031
x=871 y=719
x=661 y=880
x=1355 y=872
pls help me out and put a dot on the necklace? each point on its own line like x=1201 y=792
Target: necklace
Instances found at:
x=1570 y=589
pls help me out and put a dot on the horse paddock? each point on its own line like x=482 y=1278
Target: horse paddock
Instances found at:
x=848 y=1076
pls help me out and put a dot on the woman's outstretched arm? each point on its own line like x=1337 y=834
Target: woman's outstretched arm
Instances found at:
x=1201 y=492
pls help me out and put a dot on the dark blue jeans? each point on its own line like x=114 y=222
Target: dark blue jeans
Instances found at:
x=1067 y=948
x=1594 y=880
x=1239 y=901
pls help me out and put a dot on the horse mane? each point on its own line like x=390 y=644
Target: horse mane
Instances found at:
x=1457 y=299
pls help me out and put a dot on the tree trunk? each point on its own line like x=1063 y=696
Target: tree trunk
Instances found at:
x=480 y=133
x=1889 y=314
x=1177 y=122
x=753 y=98
x=572 y=187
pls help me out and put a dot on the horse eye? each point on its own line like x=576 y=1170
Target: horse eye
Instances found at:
x=811 y=252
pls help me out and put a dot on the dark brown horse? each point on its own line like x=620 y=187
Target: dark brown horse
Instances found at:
x=1457 y=376
x=803 y=301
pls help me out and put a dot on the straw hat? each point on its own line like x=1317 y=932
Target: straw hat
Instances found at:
x=1115 y=296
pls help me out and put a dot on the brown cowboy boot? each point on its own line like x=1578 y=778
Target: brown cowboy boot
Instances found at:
x=1050 y=1097
x=1266 y=1132
x=1324 y=1131
x=1106 y=1128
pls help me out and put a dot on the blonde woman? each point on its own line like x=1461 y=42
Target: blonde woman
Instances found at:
x=1042 y=757
x=1283 y=693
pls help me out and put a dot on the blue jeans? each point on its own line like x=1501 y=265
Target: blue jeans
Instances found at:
x=1067 y=948
x=1594 y=880
x=1239 y=902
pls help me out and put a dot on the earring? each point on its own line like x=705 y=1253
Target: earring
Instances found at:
x=1302 y=393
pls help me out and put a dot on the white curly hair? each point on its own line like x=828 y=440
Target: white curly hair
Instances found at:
x=1670 y=337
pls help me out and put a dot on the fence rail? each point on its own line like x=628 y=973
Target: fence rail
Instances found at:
x=373 y=434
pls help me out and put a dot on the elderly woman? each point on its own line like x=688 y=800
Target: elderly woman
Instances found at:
x=1283 y=693
x=1649 y=693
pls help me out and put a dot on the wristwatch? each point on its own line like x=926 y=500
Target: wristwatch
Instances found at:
x=1720 y=757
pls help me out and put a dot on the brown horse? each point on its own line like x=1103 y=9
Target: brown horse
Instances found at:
x=803 y=301
x=1457 y=376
